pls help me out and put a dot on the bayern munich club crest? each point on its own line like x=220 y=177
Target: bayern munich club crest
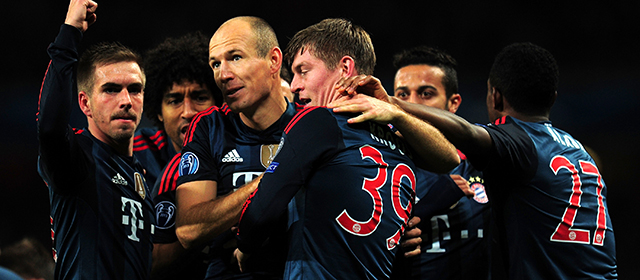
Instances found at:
x=477 y=186
x=189 y=164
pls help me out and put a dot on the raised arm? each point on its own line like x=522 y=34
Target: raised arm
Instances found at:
x=58 y=89
x=59 y=86
x=81 y=14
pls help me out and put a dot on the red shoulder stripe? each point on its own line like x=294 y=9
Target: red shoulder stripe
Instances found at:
x=158 y=134
x=194 y=123
x=298 y=116
x=170 y=175
x=461 y=155
x=225 y=109
x=501 y=120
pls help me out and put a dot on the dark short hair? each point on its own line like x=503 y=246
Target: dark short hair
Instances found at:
x=100 y=54
x=433 y=57
x=527 y=76
x=330 y=40
x=184 y=58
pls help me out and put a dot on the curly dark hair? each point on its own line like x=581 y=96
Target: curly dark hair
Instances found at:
x=433 y=57
x=527 y=76
x=176 y=60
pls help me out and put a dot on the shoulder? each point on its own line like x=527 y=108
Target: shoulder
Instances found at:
x=168 y=179
x=309 y=115
x=507 y=129
x=149 y=139
x=206 y=120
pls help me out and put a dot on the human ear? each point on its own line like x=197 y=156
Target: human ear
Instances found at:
x=348 y=66
x=454 y=102
x=498 y=99
x=85 y=103
x=275 y=59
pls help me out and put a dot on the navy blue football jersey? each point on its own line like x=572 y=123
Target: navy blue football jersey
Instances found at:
x=194 y=265
x=454 y=241
x=101 y=211
x=549 y=203
x=353 y=187
x=153 y=148
x=221 y=148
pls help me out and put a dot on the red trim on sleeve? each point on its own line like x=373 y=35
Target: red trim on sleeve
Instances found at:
x=41 y=86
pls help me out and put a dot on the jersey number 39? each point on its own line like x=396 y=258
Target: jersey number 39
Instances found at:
x=372 y=186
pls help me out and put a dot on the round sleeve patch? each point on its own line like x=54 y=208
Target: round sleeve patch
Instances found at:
x=189 y=164
x=165 y=215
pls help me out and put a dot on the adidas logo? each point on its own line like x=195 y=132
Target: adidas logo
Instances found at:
x=118 y=179
x=232 y=156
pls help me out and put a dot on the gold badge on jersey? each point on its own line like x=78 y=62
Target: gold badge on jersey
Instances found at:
x=267 y=154
x=139 y=184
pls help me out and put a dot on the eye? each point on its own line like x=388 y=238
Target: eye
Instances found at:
x=215 y=64
x=236 y=57
x=135 y=89
x=114 y=89
x=203 y=98
x=402 y=94
x=426 y=94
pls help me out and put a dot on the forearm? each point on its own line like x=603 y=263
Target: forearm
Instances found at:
x=167 y=258
x=58 y=87
x=434 y=152
x=467 y=137
x=198 y=223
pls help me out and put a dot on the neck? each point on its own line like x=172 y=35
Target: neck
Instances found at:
x=267 y=113
x=528 y=118
x=123 y=147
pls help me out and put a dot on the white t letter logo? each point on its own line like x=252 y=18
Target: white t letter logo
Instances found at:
x=135 y=223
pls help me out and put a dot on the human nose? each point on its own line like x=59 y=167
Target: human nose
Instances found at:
x=296 y=84
x=225 y=71
x=124 y=99
x=189 y=109
x=414 y=97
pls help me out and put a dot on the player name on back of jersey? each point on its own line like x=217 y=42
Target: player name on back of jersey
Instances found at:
x=387 y=138
x=565 y=140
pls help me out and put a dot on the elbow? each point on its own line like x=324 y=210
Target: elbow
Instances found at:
x=186 y=237
x=448 y=159
x=452 y=162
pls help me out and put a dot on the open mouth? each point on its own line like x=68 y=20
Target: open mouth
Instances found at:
x=304 y=101
x=183 y=129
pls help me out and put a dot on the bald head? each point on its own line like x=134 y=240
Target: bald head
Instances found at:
x=260 y=31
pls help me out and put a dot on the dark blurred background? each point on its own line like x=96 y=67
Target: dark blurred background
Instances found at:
x=595 y=44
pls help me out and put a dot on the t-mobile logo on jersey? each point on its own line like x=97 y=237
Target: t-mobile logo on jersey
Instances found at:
x=131 y=218
x=242 y=178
